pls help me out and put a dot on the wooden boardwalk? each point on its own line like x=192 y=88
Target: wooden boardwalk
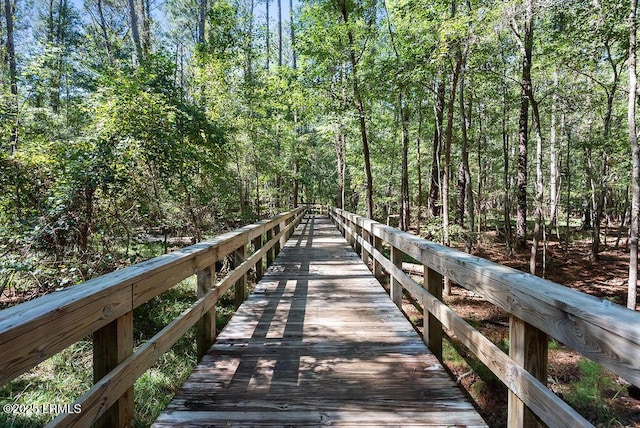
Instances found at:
x=319 y=342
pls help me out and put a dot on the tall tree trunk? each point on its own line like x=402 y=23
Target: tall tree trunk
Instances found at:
x=360 y=109
x=202 y=19
x=537 y=230
x=13 y=75
x=526 y=47
x=294 y=60
x=554 y=174
x=135 y=33
x=280 y=33
x=405 y=216
x=434 y=190
x=268 y=35
x=635 y=153
x=105 y=35
x=464 y=203
x=339 y=145
x=145 y=11
x=463 y=167
x=506 y=176
x=419 y=168
x=447 y=149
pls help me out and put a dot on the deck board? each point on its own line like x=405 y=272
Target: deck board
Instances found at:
x=319 y=342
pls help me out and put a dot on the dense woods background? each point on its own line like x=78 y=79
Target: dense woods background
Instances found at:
x=125 y=122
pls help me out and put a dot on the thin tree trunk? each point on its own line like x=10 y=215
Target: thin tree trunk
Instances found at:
x=506 y=176
x=13 y=75
x=268 y=35
x=135 y=34
x=537 y=231
x=635 y=154
x=447 y=149
x=103 y=27
x=202 y=19
x=405 y=216
x=419 y=167
x=280 y=33
x=434 y=190
x=294 y=60
x=553 y=155
x=463 y=168
x=340 y=166
x=526 y=47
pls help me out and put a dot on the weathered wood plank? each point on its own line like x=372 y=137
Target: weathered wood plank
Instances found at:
x=319 y=341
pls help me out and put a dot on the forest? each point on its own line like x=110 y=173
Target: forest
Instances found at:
x=125 y=122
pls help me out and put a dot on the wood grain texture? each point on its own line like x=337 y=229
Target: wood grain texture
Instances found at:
x=319 y=342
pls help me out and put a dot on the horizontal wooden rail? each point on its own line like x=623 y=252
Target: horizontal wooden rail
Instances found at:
x=598 y=329
x=103 y=307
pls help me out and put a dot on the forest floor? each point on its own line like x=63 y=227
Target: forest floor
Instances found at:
x=598 y=395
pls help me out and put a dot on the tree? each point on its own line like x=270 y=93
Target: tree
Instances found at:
x=635 y=153
x=13 y=76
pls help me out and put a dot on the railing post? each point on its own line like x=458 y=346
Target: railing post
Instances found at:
x=271 y=251
x=351 y=239
x=528 y=347
x=239 y=256
x=377 y=267
x=276 y=247
x=357 y=232
x=432 y=327
x=365 y=254
x=206 y=326
x=283 y=238
x=112 y=344
x=257 y=244
x=396 y=287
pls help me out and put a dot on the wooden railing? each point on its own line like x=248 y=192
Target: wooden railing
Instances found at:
x=606 y=333
x=103 y=307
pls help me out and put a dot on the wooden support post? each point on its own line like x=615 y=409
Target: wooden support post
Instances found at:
x=528 y=346
x=257 y=244
x=284 y=237
x=112 y=344
x=377 y=267
x=357 y=232
x=239 y=256
x=206 y=326
x=351 y=239
x=271 y=251
x=365 y=254
x=276 y=247
x=432 y=327
x=396 y=287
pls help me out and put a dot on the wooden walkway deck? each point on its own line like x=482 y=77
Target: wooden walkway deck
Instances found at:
x=319 y=342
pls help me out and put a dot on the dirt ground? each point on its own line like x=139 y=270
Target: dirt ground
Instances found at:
x=572 y=267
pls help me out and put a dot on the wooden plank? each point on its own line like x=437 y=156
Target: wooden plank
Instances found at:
x=319 y=336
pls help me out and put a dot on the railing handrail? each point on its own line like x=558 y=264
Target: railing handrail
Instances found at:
x=33 y=331
x=603 y=331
